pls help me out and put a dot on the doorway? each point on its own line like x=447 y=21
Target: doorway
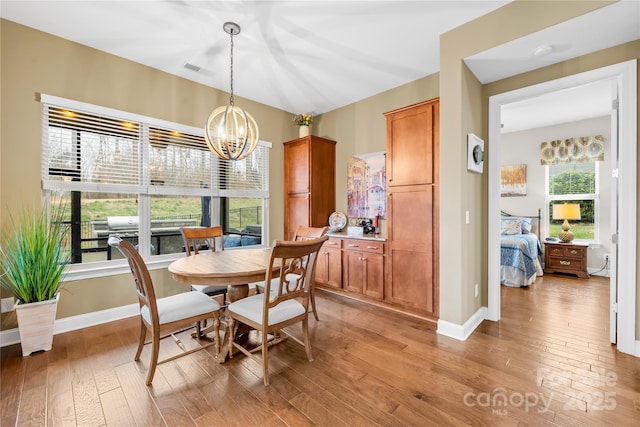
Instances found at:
x=623 y=257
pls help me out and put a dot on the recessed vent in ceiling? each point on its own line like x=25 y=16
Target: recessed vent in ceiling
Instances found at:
x=191 y=67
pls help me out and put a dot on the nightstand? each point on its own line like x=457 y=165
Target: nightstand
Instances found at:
x=566 y=258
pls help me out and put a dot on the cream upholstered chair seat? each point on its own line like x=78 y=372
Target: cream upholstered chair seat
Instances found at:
x=251 y=308
x=180 y=306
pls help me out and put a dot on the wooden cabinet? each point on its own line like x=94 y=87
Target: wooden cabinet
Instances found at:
x=566 y=258
x=363 y=267
x=309 y=183
x=329 y=264
x=352 y=266
x=412 y=274
x=412 y=134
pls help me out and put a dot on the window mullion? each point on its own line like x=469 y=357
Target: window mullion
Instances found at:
x=144 y=202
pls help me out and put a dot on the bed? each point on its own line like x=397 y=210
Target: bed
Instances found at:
x=520 y=250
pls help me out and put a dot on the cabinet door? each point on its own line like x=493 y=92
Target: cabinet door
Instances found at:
x=297 y=167
x=297 y=214
x=329 y=264
x=410 y=144
x=352 y=274
x=410 y=254
x=373 y=284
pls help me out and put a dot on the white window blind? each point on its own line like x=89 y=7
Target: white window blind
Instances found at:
x=86 y=149
x=89 y=149
x=572 y=178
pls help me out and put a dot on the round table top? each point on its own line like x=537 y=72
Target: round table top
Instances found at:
x=229 y=267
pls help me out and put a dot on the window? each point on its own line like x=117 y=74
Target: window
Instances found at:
x=574 y=183
x=143 y=179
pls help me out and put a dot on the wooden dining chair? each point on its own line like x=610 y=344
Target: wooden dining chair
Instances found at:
x=284 y=302
x=198 y=238
x=305 y=233
x=165 y=316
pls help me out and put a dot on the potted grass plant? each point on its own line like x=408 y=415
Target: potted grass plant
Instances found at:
x=33 y=262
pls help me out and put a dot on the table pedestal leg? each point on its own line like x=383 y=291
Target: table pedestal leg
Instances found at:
x=234 y=293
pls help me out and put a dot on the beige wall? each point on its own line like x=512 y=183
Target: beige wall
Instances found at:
x=35 y=62
x=360 y=128
x=463 y=110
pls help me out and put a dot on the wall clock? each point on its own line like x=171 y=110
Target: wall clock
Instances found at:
x=475 y=153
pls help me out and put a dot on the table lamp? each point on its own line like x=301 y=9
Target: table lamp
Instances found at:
x=566 y=211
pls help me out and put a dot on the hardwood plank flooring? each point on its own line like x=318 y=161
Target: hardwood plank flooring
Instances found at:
x=547 y=362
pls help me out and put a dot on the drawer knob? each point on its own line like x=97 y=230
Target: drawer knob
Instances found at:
x=573 y=251
x=372 y=247
x=565 y=262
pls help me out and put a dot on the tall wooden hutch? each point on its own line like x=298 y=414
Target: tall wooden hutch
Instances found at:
x=412 y=270
x=309 y=183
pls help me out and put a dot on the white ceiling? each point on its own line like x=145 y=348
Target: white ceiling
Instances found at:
x=308 y=55
x=609 y=26
x=298 y=56
x=563 y=106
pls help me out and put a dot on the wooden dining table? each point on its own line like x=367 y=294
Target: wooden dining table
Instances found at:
x=235 y=268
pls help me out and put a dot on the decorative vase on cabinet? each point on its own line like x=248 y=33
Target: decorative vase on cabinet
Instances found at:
x=309 y=183
x=304 y=131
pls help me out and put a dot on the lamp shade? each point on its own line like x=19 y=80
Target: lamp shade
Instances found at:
x=566 y=211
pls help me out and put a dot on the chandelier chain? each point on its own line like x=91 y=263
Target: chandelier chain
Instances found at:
x=231 y=62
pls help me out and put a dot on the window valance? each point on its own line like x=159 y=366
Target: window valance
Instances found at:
x=580 y=149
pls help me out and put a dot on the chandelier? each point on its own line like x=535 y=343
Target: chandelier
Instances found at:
x=231 y=133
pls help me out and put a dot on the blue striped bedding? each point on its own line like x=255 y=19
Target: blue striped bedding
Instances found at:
x=520 y=251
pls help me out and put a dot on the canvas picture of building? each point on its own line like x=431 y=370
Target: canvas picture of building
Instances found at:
x=366 y=186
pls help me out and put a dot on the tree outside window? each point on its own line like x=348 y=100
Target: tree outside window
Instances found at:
x=574 y=183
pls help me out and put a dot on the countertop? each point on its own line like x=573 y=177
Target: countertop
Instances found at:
x=343 y=235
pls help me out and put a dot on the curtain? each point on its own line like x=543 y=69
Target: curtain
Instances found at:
x=580 y=149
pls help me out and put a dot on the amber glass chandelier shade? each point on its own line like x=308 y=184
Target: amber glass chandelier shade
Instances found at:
x=231 y=133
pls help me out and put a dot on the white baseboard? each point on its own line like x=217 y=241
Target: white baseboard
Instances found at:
x=462 y=332
x=66 y=324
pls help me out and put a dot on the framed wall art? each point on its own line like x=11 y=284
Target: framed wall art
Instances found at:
x=513 y=181
x=366 y=186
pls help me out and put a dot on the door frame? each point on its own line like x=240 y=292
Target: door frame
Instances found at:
x=625 y=75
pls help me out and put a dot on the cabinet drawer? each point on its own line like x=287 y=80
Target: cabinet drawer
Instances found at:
x=363 y=245
x=574 y=252
x=332 y=244
x=565 y=264
x=556 y=251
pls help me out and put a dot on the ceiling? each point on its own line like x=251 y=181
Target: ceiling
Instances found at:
x=609 y=26
x=307 y=55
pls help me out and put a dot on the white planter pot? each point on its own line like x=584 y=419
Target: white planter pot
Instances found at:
x=35 y=323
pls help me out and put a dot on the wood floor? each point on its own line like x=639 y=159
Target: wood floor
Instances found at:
x=548 y=362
